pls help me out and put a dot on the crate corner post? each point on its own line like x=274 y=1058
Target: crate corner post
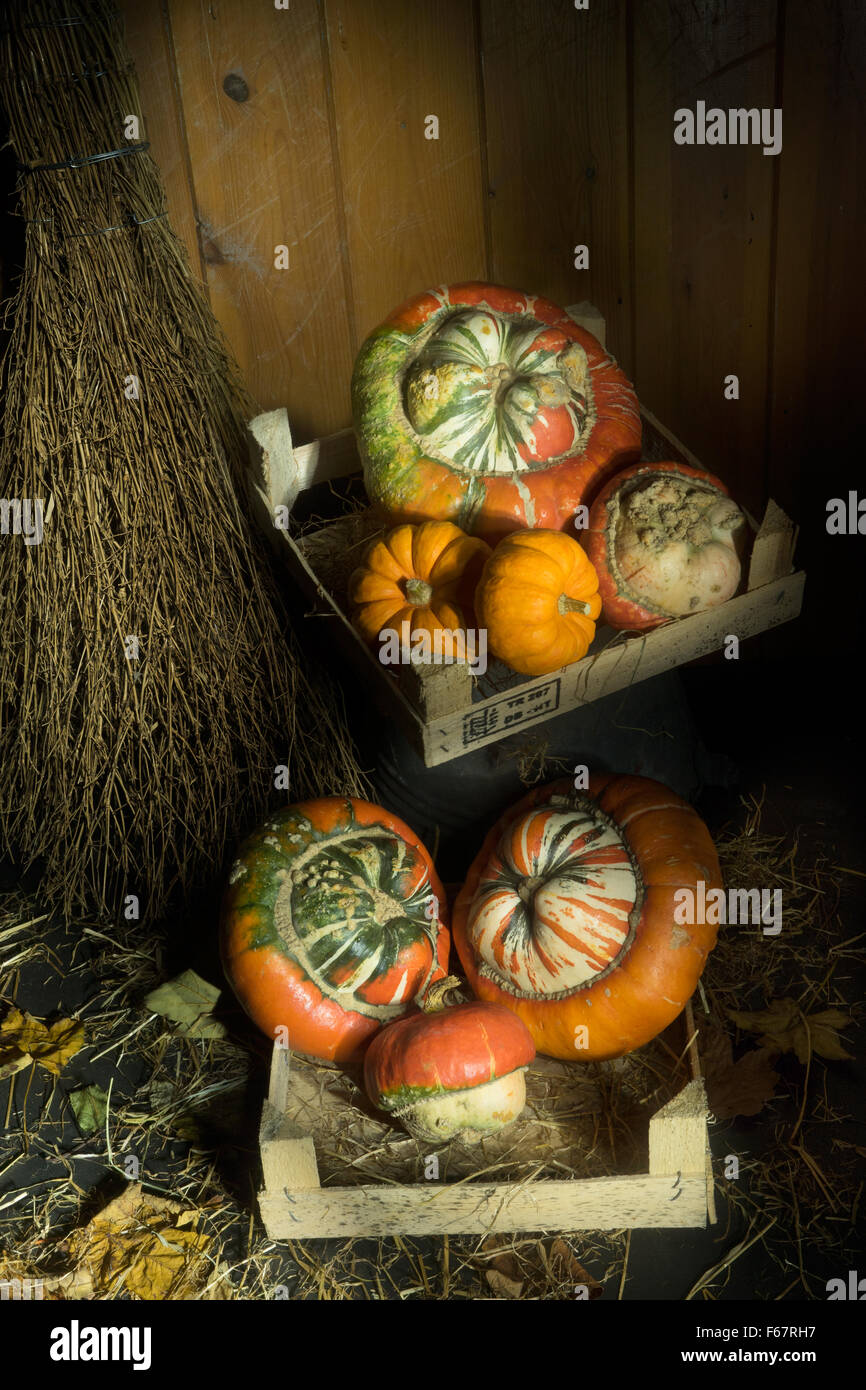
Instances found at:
x=288 y=1155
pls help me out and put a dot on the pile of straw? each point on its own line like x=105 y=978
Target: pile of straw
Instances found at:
x=123 y=417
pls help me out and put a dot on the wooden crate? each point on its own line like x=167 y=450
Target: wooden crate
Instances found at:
x=676 y=1191
x=442 y=709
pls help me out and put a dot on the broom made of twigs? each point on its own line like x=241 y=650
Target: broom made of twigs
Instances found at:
x=149 y=683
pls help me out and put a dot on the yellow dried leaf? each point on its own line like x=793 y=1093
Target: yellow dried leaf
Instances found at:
x=136 y=1244
x=51 y=1045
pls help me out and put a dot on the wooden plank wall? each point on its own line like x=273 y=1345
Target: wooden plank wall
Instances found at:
x=305 y=127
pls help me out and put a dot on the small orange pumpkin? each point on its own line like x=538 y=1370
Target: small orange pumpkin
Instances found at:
x=538 y=599
x=421 y=575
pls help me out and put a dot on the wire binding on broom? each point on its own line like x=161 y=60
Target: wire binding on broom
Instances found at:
x=78 y=161
x=126 y=226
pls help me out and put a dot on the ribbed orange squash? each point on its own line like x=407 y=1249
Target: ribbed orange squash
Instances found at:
x=421 y=575
x=569 y=914
x=538 y=599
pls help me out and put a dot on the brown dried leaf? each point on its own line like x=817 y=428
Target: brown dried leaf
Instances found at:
x=784 y=1028
x=501 y=1284
x=503 y=1262
x=12 y=1061
x=735 y=1088
x=825 y=1041
x=778 y=1017
x=745 y=1087
x=139 y=1243
x=576 y=1272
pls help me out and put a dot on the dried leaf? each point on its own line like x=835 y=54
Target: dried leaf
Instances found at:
x=89 y=1106
x=501 y=1284
x=784 y=1028
x=503 y=1261
x=51 y=1045
x=825 y=1041
x=188 y=1000
x=745 y=1087
x=575 y=1270
x=219 y=1287
x=778 y=1017
x=137 y=1245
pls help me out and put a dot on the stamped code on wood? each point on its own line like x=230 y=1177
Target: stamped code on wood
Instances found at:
x=511 y=710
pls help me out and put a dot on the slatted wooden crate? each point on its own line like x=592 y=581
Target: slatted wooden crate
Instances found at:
x=675 y=1191
x=442 y=709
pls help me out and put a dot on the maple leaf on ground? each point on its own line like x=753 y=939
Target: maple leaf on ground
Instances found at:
x=148 y=1246
x=785 y=1028
x=735 y=1088
x=51 y=1045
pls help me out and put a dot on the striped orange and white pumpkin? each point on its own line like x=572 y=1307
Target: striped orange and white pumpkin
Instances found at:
x=568 y=918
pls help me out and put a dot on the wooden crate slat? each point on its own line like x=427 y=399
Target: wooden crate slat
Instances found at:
x=773 y=551
x=589 y=1204
x=634 y=660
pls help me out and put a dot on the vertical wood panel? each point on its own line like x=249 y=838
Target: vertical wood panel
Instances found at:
x=556 y=93
x=264 y=176
x=148 y=38
x=820 y=285
x=413 y=207
x=703 y=232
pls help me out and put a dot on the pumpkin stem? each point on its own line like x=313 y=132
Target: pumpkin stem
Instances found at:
x=528 y=888
x=572 y=605
x=443 y=994
x=418 y=592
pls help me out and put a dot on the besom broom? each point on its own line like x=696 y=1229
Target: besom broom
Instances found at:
x=149 y=682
